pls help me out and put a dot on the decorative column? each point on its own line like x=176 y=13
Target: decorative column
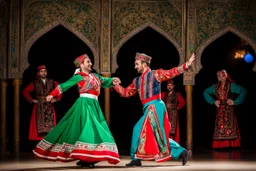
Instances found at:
x=4 y=23
x=107 y=100
x=16 y=106
x=105 y=51
x=188 y=41
x=189 y=143
x=3 y=115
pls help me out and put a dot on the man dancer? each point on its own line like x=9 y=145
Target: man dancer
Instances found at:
x=226 y=132
x=150 y=140
x=43 y=117
x=173 y=102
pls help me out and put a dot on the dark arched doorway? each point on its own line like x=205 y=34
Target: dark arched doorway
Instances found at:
x=217 y=56
x=56 y=49
x=125 y=112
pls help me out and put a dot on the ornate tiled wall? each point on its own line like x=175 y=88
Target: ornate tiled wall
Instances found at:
x=105 y=36
x=78 y=16
x=105 y=25
x=210 y=19
x=216 y=17
x=14 y=40
x=3 y=38
x=129 y=17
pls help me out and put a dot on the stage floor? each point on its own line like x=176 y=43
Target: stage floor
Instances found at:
x=204 y=161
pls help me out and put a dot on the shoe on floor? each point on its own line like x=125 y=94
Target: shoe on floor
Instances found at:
x=134 y=163
x=185 y=156
x=85 y=164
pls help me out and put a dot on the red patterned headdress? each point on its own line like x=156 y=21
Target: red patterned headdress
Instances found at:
x=170 y=82
x=41 y=67
x=143 y=57
x=80 y=59
x=224 y=72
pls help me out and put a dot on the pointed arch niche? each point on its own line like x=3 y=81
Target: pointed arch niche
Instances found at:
x=215 y=54
x=26 y=46
x=165 y=54
x=206 y=43
x=56 y=47
x=116 y=49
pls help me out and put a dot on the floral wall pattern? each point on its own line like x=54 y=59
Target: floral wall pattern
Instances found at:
x=14 y=48
x=78 y=14
x=105 y=25
x=3 y=38
x=105 y=36
x=130 y=17
x=79 y=17
x=215 y=17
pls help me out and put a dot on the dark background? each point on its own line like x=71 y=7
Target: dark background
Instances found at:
x=58 y=48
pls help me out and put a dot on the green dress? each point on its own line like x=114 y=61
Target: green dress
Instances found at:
x=82 y=134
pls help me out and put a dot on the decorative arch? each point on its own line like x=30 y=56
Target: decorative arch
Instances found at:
x=28 y=44
x=137 y=30
x=218 y=35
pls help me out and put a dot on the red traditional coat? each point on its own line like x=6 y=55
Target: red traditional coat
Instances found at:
x=226 y=131
x=43 y=117
x=174 y=102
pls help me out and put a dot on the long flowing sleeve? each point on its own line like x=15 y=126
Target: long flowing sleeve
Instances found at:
x=105 y=81
x=58 y=98
x=128 y=91
x=240 y=91
x=163 y=95
x=164 y=75
x=26 y=92
x=66 y=85
x=207 y=94
x=181 y=101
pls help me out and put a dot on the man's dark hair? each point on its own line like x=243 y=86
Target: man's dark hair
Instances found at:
x=148 y=64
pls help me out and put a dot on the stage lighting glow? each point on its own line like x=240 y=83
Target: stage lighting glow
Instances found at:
x=248 y=58
x=240 y=54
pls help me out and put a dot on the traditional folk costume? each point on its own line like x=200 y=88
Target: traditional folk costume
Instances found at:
x=43 y=117
x=83 y=133
x=150 y=138
x=173 y=102
x=226 y=132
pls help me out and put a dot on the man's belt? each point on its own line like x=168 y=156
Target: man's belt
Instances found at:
x=41 y=98
x=171 y=105
x=155 y=97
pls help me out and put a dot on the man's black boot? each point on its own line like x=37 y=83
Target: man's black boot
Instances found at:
x=85 y=164
x=134 y=163
x=185 y=155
